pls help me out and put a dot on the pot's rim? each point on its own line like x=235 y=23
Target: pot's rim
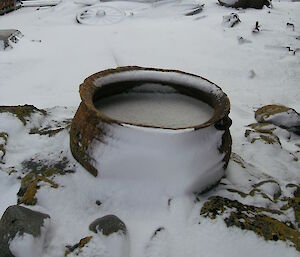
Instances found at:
x=88 y=89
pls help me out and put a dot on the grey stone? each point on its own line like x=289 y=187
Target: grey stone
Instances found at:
x=19 y=220
x=107 y=225
x=231 y=20
x=257 y=4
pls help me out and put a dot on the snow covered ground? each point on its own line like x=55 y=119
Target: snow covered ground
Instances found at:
x=55 y=55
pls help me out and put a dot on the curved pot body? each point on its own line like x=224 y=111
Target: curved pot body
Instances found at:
x=189 y=159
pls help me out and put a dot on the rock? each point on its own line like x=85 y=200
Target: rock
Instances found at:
x=231 y=20
x=257 y=4
x=266 y=138
x=279 y=115
x=107 y=225
x=294 y=203
x=19 y=220
x=196 y=10
x=22 y=112
x=248 y=217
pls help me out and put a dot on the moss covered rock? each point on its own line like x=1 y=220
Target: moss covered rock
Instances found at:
x=22 y=112
x=107 y=225
x=266 y=138
x=257 y=4
x=248 y=217
x=294 y=203
x=279 y=115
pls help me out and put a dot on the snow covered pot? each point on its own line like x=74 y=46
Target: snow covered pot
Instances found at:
x=153 y=126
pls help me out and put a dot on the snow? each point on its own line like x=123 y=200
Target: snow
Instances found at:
x=157 y=109
x=56 y=54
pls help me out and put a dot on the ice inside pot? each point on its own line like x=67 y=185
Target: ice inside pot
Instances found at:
x=155 y=105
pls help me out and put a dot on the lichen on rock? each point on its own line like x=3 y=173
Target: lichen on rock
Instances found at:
x=264 y=127
x=294 y=203
x=51 y=131
x=36 y=172
x=22 y=112
x=248 y=217
x=279 y=115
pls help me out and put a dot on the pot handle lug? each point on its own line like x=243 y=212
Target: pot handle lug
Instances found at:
x=223 y=124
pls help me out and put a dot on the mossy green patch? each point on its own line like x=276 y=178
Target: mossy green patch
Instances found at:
x=238 y=159
x=294 y=203
x=78 y=246
x=276 y=194
x=28 y=198
x=3 y=142
x=248 y=217
x=264 y=127
x=269 y=110
x=22 y=112
x=267 y=138
x=49 y=131
x=39 y=171
x=242 y=194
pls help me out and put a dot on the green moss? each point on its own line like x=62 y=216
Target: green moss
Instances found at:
x=294 y=203
x=264 y=127
x=51 y=131
x=38 y=171
x=28 y=198
x=78 y=246
x=276 y=195
x=242 y=194
x=267 y=138
x=269 y=110
x=22 y=112
x=248 y=217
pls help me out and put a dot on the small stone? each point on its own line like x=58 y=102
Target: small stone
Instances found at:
x=19 y=220
x=257 y=4
x=231 y=20
x=107 y=225
x=279 y=115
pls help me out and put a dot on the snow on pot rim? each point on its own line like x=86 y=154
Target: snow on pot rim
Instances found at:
x=110 y=146
x=185 y=83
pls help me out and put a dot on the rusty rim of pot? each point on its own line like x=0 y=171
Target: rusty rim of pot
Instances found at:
x=215 y=97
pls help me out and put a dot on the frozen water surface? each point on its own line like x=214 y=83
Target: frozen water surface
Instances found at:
x=156 y=108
